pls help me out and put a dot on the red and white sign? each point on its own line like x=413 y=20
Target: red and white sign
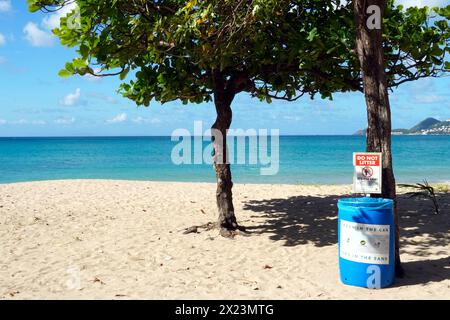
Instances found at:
x=367 y=175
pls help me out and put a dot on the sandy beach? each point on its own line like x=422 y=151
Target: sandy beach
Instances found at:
x=103 y=239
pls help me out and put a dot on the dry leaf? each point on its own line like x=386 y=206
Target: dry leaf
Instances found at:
x=13 y=293
x=97 y=280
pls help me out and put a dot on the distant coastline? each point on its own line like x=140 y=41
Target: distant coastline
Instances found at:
x=429 y=126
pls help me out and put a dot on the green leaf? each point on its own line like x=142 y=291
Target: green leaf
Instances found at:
x=447 y=65
x=312 y=34
x=33 y=6
x=124 y=73
x=84 y=50
x=64 y=73
x=80 y=63
x=70 y=67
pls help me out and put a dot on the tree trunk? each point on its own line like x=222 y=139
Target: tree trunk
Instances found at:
x=224 y=196
x=371 y=58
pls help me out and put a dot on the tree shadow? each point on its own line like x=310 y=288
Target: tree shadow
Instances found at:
x=296 y=220
x=420 y=228
x=423 y=271
x=313 y=219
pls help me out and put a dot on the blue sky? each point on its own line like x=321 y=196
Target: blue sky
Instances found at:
x=35 y=101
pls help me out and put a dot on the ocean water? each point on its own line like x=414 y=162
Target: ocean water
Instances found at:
x=303 y=159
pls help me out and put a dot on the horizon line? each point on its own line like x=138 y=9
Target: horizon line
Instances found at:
x=162 y=136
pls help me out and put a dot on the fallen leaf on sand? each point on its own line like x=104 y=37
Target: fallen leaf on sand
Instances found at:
x=97 y=280
x=267 y=267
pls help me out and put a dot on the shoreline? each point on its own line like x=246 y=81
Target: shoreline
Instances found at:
x=345 y=185
x=175 y=182
x=116 y=239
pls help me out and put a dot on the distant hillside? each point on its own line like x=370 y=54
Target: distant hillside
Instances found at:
x=360 y=132
x=424 y=125
x=443 y=127
x=429 y=126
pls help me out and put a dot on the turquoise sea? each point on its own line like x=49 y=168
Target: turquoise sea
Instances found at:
x=303 y=159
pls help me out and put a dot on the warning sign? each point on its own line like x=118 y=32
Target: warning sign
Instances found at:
x=367 y=174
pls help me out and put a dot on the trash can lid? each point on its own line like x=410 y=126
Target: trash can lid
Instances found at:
x=366 y=202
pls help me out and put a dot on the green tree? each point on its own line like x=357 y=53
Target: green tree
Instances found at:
x=200 y=51
x=404 y=47
x=212 y=50
x=410 y=44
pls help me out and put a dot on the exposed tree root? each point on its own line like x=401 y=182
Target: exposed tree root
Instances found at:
x=224 y=232
x=195 y=229
x=232 y=232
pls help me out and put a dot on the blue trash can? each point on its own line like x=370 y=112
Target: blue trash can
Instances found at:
x=366 y=235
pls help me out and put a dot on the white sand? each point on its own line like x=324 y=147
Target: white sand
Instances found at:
x=121 y=239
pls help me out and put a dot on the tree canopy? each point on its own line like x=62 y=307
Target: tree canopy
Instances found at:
x=269 y=48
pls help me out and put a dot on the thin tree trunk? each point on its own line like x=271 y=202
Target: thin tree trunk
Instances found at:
x=371 y=58
x=224 y=196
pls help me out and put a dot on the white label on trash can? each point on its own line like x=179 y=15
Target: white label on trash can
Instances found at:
x=366 y=243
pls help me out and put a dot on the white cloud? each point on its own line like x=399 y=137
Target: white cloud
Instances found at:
x=37 y=37
x=52 y=21
x=65 y=120
x=431 y=98
x=141 y=120
x=25 y=121
x=21 y=121
x=119 y=118
x=103 y=97
x=38 y=122
x=71 y=99
x=2 y=39
x=422 y=3
x=40 y=36
x=292 y=118
x=5 y=5
x=3 y=121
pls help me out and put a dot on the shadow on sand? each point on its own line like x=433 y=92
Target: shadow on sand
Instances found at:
x=299 y=220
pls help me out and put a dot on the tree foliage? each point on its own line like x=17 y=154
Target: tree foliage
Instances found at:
x=270 y=48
